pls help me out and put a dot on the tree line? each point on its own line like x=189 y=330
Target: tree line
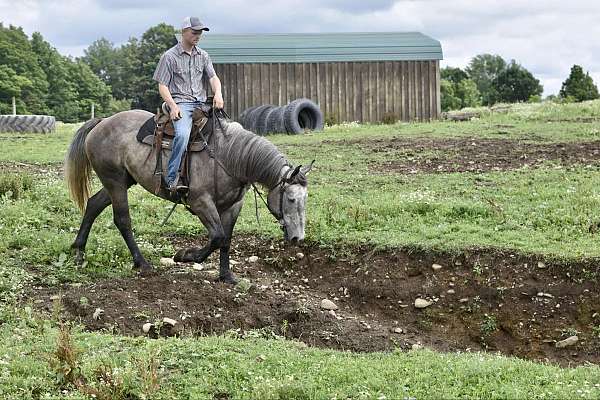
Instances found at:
x=489 y=79
x=116 y=78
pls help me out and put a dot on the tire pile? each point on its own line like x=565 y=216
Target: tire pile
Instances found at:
x=27 y=123
x=296 y=117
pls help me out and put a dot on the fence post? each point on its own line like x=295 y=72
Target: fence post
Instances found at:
x=92 y=110
x=14 y=106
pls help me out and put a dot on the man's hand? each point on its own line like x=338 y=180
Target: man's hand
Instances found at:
x=218 y=101
x=175 y=113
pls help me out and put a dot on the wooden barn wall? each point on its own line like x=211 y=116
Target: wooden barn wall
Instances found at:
x=345 y=91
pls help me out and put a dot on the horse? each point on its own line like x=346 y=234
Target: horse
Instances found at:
x=218 y=181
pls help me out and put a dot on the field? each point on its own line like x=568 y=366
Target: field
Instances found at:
x=505 y=206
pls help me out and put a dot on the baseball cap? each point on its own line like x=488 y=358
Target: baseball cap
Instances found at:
x=194 y=23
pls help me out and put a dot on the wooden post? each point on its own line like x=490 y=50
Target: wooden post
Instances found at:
x=14 y=106
x=92 y=111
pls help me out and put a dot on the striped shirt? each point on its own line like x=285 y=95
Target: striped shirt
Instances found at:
x=186 y=75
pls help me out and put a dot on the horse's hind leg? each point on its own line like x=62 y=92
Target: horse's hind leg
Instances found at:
x=120 y=204
x=95 y=205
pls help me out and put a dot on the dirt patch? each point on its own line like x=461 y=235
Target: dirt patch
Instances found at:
x=480 y=300
x=38 y=169
x=440 y=155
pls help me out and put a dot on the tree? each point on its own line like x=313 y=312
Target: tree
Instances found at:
x=457 y=90
x=17 y=54
x=155 y=41
x=579 y=86
x=90 y=89
x=483 y=69
x=516 y=83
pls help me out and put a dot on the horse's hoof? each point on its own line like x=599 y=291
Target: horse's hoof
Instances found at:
x=230 y=279
x=179 y=256
x=78 y=256
x=145 y=270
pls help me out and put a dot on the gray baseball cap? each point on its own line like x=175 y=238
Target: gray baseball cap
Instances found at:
x=194 y=23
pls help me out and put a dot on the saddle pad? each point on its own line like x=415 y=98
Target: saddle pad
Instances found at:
x=146 y=135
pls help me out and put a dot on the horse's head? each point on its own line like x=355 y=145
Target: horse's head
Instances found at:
x=287 y=202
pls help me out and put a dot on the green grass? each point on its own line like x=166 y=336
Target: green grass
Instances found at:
x=545 y=211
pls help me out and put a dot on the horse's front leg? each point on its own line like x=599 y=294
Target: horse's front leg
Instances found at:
x=206 y=210
x=228 y=220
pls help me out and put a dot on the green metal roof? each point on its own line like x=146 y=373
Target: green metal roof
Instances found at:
x=320 y=47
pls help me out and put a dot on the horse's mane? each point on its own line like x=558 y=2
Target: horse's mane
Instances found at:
x=248 y=156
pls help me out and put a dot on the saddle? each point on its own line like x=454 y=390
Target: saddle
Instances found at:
x=158 y=131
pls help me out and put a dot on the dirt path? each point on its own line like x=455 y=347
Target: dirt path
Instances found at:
x=440 y=155
x=479 y=301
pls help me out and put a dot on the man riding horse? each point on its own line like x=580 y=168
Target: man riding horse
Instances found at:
x=181 y=74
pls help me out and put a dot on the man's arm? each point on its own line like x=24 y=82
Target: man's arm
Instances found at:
x=215 y=84
x=166 y=96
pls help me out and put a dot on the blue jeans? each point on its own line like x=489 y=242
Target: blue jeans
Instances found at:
x=183 y=127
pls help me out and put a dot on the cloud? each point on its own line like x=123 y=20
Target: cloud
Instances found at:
x=547 y=37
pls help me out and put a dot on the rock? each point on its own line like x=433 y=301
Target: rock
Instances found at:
x=570 y=341
x=169 y=321
x=450 y=291
x=197 y=267
x=422 y=303
x=332 y=313
x=416 y=346
x=97 y=313
x=463 y=300
x=436 y=267
x=299 y=256
x=54 y=297
x=146 y=327
x=541 y=265
x=398 y=330
x=167 y=262
x=548 y=295
x=253 y=259
x=327 y=304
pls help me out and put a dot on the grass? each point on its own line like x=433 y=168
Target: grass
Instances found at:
x=546 y=211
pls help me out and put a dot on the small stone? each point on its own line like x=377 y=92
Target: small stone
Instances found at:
x=548 y=295
x=463 y=300
x=54 y=297
x=450 y=291
x=299 y=256
x=570 y=341
x=398 y=330
x=332 y=313
x=541 y=265
x=167 y=262
x=327 y=304
x=436 y=267
x=146 y=327
x=416 y=346
x=253 y=259
x=422 y=303
x=197 y=267
x=97 y=313
x=169 y=321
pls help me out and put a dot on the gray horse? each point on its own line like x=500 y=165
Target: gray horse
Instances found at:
x=109 y=147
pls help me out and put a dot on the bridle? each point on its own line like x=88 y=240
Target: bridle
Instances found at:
x=285 y=180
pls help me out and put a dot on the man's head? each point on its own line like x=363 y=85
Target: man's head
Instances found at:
x=191 y=29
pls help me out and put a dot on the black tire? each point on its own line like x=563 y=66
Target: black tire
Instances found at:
x=252 y=117
x=301 y=115
x=261 y=121
x=275 y=121
x=27 y=123
x=244 y=115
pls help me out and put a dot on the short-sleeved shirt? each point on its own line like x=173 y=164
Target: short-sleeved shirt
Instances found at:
x=185 y=74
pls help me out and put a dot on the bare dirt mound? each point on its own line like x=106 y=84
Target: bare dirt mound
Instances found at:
x=442 y=155
x=481 y=300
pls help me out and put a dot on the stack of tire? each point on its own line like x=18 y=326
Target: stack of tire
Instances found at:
x=296 y=117
x=27 y=123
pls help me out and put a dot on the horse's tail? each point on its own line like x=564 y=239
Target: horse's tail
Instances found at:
x=78 y=169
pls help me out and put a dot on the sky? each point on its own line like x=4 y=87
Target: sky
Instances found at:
x=546 y=37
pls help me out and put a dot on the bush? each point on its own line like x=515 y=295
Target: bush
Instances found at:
x=14 y=185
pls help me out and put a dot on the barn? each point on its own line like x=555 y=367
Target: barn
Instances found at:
x=366 y=77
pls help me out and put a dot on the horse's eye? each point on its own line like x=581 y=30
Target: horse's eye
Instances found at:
x=292 y=200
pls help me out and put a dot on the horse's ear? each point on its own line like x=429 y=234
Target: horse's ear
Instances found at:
x=293 y=175
x=306 y=170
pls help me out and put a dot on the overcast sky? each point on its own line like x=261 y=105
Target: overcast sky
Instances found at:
x=547 y=37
